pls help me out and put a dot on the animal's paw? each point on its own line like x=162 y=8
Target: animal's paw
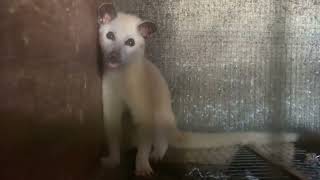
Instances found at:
x=160 y=149
x=111 y=161
x=143 y=168
x=158 y=153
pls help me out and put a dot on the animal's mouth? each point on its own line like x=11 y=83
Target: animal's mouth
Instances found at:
x=113 y=63
x=113 y=60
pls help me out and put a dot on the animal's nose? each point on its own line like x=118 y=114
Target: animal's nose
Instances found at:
x=114 y=55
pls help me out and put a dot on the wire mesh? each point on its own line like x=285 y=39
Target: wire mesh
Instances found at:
x=237 y=65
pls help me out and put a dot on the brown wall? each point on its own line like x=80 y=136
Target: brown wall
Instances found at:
x=50 y=105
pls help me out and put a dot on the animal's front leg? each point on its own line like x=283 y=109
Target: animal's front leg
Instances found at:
x=113 y=134
x=160 y=144
x=144 y=145
x=112 y=109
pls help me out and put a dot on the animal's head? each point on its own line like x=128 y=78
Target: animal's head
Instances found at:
x=122 y=36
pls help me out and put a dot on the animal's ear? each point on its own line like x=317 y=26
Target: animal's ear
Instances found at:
x=106 y=13
x=147 y=28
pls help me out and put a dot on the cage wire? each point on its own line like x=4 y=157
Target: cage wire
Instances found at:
x=240 y=65
x=237 y=65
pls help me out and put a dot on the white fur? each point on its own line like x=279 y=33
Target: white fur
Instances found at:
x=211 y=140
x=128 y=86
x=124 y=27
x=112 y=113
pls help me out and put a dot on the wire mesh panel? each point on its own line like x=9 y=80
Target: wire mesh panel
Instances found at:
x=240 y=64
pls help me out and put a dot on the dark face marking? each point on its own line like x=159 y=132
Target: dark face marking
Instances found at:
x=110 y=35
x=112 y=60
x=130 y=42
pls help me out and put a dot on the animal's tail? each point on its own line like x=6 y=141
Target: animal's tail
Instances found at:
x=183 y=139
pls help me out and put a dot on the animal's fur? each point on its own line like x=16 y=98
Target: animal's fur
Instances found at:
x=134 y=82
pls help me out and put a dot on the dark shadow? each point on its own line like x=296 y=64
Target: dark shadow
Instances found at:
x=276 y=93
x=277 y=69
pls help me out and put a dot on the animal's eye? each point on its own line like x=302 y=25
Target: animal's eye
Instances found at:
x=110 y=35
x=130 y=42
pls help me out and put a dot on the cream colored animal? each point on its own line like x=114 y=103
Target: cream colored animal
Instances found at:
x=131 y=81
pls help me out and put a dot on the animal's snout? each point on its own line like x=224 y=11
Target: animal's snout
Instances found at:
x=114 y=56
x=113 y=59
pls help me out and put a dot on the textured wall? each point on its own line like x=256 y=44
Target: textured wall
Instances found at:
x=50 y=91
x=240 y=64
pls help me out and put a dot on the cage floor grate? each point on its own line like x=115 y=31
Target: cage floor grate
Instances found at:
x=248 y=165
x=308 y=163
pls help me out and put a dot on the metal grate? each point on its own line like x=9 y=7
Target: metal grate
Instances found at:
x=248 y=165
x=307 y=163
